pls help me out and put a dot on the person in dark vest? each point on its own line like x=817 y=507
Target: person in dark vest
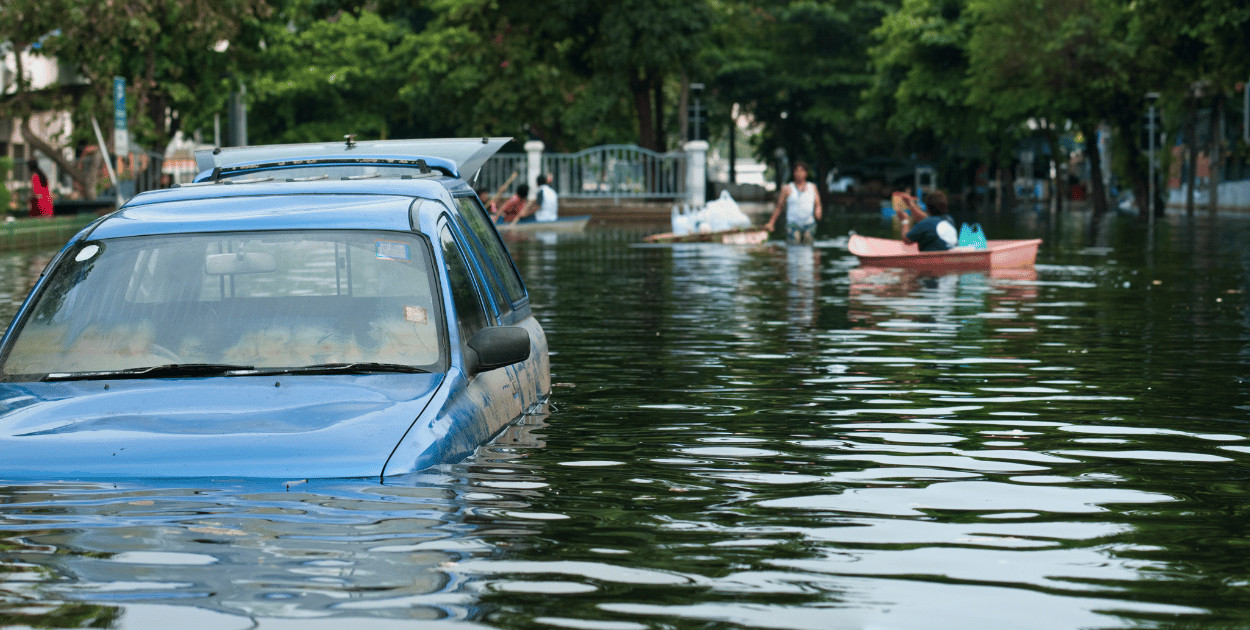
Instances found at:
x=932 y=231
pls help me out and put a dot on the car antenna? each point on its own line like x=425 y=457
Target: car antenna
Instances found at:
x=351 y=140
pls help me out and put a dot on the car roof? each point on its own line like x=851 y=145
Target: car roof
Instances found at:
x=383 y=204
x=273 y=187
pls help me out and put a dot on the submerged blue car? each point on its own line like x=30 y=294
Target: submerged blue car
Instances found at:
x=323 y=310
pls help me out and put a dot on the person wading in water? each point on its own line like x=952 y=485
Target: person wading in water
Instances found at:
x=802 y=205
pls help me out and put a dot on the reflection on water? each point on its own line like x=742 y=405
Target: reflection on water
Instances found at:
x=761 y=436
x=243 y=549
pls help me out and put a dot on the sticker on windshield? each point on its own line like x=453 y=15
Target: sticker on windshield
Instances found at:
x=393 y=250
x=416 y=315
x=87 y=253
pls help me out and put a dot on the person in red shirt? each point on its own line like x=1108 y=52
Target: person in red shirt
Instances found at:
x=40 y=195
x=514 y=208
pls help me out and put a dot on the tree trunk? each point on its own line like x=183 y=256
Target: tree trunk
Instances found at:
x=683 y=109
x=1217 y=158
x=22 y=101
x=1128 y=126
x=1056 y=190
x=1098 y=188
x=54 y=154
x=1191 y=154
x=657 y=113
x=639 y=86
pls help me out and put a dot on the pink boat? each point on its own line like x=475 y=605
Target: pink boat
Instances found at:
x=884 y=252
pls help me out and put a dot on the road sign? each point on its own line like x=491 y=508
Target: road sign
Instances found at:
x=121 y=135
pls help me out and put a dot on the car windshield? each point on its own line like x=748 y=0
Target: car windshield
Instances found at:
x=234 y=301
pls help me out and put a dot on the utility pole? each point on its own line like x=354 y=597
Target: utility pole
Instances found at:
x=236 y=119
x=733 y=144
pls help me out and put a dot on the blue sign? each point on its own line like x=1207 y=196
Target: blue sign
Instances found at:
x=119 y=103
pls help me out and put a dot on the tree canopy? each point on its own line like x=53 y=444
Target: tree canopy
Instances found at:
x=831 y=81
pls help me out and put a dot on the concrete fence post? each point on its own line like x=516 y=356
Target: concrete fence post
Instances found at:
x=696 y=172
x=534 y=164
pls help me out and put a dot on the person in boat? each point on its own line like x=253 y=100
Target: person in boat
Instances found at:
x=515 y=207
x=933 y=231
x=547 y=203
x=802 y=205
x=488 y=202
x=898 y=200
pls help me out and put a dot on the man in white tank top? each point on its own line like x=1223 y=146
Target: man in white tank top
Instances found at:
x=801 y=202
x=548 y=201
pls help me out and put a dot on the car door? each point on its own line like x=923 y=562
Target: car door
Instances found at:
x=491 y=396
x=507 y=294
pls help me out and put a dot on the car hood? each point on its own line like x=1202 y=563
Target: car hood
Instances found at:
x=276 y=427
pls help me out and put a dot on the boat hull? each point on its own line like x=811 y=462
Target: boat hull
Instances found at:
x=998 y=254
x=740 y=236
x=563 y=224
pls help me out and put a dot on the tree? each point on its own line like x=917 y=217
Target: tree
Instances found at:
x=798 y=68
x=319 y=79
x=921 y=63
x=170 y=51
x=1201 y=52
x=1054 y=62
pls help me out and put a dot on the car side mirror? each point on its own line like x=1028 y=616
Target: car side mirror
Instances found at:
x=497 y=346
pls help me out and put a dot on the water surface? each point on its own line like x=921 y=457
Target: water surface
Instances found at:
x=767 y=437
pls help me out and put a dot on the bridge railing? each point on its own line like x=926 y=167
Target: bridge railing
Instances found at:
x=613 y=172
x=500 y=169
x=618 y=172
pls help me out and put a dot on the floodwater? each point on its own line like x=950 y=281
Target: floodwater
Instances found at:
x=765 y=437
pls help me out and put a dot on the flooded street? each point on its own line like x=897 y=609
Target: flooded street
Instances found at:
x=741 y=436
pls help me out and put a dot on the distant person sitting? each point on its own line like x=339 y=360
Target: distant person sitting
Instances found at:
x=514 y=208
x=40 y=195
x=547 y=202
x=932 y=231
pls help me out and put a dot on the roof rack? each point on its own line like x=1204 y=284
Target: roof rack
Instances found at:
x=420 y=163
x=458 y=157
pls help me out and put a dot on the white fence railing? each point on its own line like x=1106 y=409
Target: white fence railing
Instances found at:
x=605 y=172
x=618 y=171
x=501 y=169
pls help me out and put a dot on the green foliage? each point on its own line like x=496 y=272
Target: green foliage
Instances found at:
x=1059 y=60
x=798 y=69
x=164 y=48
x=921 y=65
x=558 y=69
x=831 y=81
x=6 y=197
x=323 y=79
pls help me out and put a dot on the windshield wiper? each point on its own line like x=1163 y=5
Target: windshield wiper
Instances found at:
x=347 y=368
x=171 y=370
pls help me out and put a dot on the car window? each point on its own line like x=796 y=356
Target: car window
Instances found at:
x=479 y=223
x=493 y=291
x=262 y=299
x=470 y=315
